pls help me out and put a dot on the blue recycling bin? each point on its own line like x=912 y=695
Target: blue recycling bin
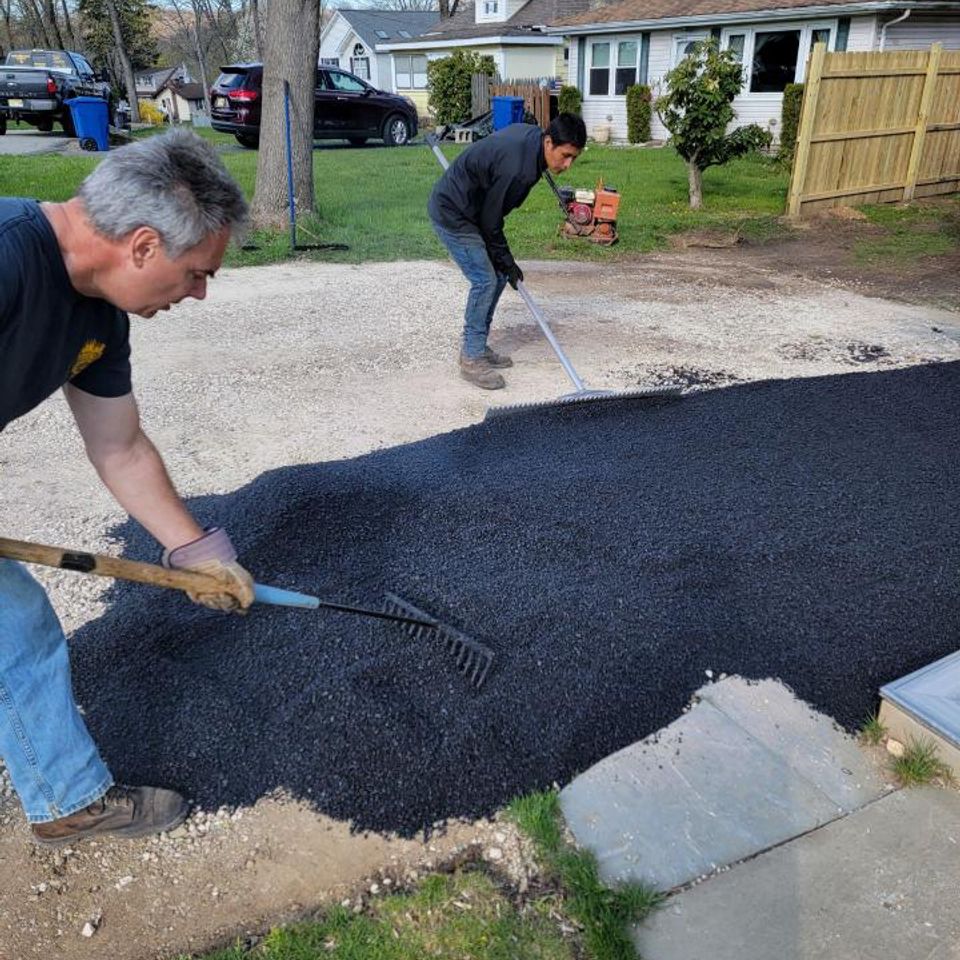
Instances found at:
x=90 y=121
x=506 y=110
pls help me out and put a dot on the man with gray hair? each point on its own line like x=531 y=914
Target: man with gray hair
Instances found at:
x=148 y=228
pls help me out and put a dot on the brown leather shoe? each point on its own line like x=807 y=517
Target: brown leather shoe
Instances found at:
x=497 y=359
x=479 y=372
x=121 y=812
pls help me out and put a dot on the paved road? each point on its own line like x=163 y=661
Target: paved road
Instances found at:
x=23 y=142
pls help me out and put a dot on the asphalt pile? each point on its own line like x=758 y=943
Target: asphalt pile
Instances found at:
x=610 y=554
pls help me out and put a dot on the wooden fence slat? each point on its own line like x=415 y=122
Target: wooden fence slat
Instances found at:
x=811 y=93
x=919 y=138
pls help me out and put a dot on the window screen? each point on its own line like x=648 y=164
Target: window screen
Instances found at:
x=600 y=69
x=626 y=75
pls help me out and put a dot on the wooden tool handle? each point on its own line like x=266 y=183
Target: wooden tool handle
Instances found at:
x=104 y=566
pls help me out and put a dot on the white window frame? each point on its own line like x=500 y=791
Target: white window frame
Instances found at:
x=614 y=40
x=409 y=71
x=680 y=40
x=362 y=57
x=749 y=32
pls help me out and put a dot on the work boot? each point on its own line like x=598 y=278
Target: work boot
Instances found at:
x=478 y=371
x=121 y=812
x=497 y=359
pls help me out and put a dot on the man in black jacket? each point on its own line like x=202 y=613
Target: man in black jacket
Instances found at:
x=467 y=208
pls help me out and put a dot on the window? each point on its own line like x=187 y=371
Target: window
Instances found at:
x=329 y=61
x=683 y=44
x=404 y=33
x=360 y=62
x=599 y=69
x=626 y=75
x=491 y=7
x=411 y=73
x=820 y=35
x=345 y=83
x=774 y=60
x=383 y=35
x=737 y=43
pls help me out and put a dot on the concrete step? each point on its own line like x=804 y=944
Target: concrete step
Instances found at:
x=881 y=882
x=748 y=767
x=925 y=705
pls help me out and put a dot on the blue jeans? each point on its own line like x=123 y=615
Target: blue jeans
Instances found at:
x=52 y=760
x=469 y=253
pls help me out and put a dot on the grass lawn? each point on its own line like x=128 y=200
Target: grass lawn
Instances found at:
x=374 y=199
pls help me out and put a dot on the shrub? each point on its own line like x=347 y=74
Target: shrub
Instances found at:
x=149 y=113
x=790 y=122
x=570 y=100
x=448 y=81
x=639 y=106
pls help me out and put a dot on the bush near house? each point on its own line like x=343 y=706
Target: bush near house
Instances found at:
x=570 y=100
x=639 y=108
x=149 y=113
x=697 y=108
x=448 y=81
x=790 y=122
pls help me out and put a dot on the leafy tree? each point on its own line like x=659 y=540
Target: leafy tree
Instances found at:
x=697 y=109
x=570 y=100
x=448 y=81
x=96 y=32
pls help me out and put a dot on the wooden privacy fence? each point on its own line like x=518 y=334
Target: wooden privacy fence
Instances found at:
x=536 y=98
x=877 y=127
x=479 y=94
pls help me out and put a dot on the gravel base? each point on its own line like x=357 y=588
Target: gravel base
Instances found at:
x=610 y=554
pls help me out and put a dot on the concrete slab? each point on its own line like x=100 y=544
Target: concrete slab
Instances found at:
x=881 y=882
x=931 y=695
x=726 y=780
x=904 y=727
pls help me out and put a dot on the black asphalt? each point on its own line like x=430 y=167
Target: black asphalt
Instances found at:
x=805 y=529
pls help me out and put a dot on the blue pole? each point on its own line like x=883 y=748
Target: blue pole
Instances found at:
x=293 y=212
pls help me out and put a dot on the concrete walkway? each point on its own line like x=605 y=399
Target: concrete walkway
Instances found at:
x=32 y=142
x=802 y=848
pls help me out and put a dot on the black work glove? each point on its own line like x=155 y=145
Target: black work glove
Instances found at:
x=514 y=275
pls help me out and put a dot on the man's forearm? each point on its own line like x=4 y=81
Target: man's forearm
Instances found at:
x=139 y=482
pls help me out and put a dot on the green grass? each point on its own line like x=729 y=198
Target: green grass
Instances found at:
x=374 y=200
x=920 y=764
x=873 y=731
x=910 y=232
x=461 y=915
x=603 y=913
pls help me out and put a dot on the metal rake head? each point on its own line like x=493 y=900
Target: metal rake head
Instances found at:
x=473 y=658
x=589 y=396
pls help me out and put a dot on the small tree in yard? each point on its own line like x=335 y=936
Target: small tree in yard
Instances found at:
x=448 y=81
x=696 y=109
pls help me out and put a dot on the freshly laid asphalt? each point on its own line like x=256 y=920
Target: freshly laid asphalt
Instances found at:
x=610 y=554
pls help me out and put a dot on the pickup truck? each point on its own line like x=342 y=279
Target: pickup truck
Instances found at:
x=34 y=84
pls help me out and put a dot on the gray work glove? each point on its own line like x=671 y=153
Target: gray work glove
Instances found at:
x=214 y=555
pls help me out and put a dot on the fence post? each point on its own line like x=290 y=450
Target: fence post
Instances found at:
x=808 y=116
x=920 y=135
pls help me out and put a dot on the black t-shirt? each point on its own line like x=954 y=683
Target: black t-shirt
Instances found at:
x=49 y=333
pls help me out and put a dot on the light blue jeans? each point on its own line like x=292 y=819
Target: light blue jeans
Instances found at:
x=51 y=757
x=469 y=253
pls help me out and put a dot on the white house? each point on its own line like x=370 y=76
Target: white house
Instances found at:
x=513 y=32
x=349 y=40
x=619 y=44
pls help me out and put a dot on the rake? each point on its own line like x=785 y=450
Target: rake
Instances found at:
x=581 y=393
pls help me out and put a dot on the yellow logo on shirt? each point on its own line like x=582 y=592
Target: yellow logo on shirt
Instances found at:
x=90 y=352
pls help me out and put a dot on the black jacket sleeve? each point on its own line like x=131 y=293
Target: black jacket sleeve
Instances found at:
x=496 y=185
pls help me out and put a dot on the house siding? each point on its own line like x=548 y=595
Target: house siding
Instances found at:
x=526 y=63
x=919 y=32
x=863 y=34
x=332 y=45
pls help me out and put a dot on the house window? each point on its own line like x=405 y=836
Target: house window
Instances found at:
x=360 y=62
x=491 y=7
x=820 y=35
x=684 y=43
x=774 y=64
x=411 y=73
x=626 y=75
x=737 y=44
x=599 y=69
x=329 y=61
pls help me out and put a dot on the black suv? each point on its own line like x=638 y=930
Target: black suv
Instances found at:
x=346 y=108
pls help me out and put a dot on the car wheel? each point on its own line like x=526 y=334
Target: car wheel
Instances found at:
x=44 y=126
x=249 y=140
x=396 y=131
x=357 y=141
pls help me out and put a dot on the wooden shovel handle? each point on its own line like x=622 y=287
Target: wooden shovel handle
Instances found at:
x=104 y=566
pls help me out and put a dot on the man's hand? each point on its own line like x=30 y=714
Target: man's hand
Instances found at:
x=214 y=555
x=514 y=275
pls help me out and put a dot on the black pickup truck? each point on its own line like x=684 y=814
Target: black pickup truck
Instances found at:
x=34 y=84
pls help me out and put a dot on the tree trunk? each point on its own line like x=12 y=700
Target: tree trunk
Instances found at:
x=129 y=81
x=292 y=42
x=51 y=15
x=695 y=176
x=38 y=31
x=201 y=62
x=69 y=26
x=257 y=35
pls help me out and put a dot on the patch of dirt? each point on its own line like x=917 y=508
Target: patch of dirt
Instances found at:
x=684 y=376
x=817 y=349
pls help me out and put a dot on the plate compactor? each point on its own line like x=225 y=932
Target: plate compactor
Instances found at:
x=590 y=214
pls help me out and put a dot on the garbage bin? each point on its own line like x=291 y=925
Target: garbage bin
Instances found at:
x=90 y=117
x=506 y=110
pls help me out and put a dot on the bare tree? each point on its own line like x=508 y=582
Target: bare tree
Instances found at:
x=290 y=55
x=447 y=8
x=129 y=81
